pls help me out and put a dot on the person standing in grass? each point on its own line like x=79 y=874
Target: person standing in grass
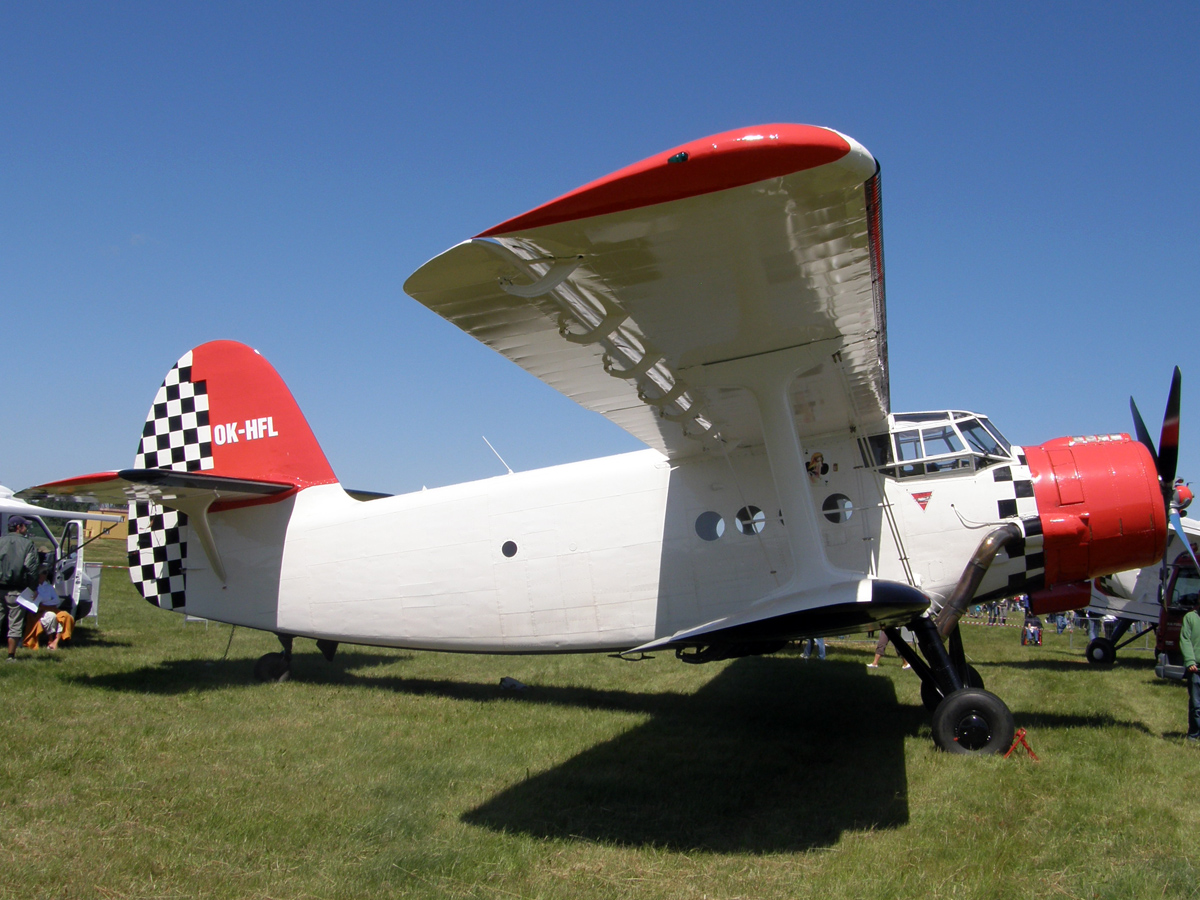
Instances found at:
x=881 y=646
x=18 y=571
x=1189 y=645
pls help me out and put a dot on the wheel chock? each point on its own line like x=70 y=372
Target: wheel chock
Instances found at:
x=1019 y=741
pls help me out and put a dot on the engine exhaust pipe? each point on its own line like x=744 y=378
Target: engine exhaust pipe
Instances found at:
x=968 y=583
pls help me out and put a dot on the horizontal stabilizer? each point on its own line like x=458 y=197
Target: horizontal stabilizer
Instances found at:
x=192 y=493
x=162 y=486
x=834 y=609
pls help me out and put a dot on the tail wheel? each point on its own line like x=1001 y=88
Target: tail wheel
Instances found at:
x=273 y=667
x=973 y=721
x=931 y=697
x=1101 y=652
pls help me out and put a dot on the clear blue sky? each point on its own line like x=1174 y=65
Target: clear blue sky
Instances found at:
x=173 y=173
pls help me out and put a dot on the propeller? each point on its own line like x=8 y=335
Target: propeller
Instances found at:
x=1166 y=458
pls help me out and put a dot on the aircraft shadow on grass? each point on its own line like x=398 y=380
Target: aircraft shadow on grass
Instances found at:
x=180 y=676
x=1073 y=665
x=93 y=637
x=772 y=754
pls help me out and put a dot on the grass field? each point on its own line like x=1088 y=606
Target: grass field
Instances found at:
x=145 y=762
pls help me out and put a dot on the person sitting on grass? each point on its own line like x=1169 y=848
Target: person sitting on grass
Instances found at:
x=57 y=624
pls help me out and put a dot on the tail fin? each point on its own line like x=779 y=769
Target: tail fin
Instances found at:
x=223 y=410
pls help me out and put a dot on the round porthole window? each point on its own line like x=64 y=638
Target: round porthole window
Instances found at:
x=710 y=526
x=837 y=508
x=509 y=549
x=751 y=520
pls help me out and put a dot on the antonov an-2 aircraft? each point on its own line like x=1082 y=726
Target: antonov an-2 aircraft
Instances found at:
x=724 y=303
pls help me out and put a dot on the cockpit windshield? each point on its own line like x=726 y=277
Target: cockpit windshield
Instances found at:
x=980 y=438
x=934 y=443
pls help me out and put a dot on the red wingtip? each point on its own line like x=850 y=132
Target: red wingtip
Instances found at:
x=727 y=160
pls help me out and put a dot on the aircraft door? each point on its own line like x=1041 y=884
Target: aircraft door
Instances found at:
x=69 y=570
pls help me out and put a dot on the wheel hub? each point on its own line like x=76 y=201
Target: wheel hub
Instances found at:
x=973 y=731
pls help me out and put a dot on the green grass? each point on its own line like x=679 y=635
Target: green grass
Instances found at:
x=142 y=763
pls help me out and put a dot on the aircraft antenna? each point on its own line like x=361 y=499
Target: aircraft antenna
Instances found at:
x=498 y=456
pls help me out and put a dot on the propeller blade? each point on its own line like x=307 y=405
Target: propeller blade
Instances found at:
x=1177 y=524
x=1168 y=445
x=1143 y=433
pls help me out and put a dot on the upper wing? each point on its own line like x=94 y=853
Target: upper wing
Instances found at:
x=736 y=245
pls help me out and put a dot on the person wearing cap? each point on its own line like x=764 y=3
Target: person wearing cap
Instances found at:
x=1189 y=646
x=18 y=571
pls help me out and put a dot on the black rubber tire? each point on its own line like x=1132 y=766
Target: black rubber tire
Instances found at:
x=931 y=697
x=973 y=721
x=273 y=667
x=1101 y=652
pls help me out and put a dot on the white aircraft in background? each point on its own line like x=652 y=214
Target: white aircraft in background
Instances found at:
x=77 y=582
x=1157 y=596
x=724 y=303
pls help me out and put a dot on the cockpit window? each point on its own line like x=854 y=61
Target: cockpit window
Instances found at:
x=940 y=440
x=995 y=432
x=908 y=445
x=881 y=449
x=935 y=443
x=980 y=438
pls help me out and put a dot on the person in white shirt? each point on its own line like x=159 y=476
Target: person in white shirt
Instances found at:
x=47 y=598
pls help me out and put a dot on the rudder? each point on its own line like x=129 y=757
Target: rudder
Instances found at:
x=222 y=410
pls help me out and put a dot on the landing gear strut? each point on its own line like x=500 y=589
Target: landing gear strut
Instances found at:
x=278 y=666
x=966 y=718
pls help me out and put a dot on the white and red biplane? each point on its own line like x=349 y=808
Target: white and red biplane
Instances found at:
x=724 y=303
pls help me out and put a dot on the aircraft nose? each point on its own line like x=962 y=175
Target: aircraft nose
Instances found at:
x=1100 y=506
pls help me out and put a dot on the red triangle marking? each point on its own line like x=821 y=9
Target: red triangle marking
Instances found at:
x=923 y=498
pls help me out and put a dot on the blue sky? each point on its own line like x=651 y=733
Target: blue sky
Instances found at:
x=174 y=173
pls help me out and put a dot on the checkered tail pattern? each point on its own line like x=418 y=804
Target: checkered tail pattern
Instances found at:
x=176 y=436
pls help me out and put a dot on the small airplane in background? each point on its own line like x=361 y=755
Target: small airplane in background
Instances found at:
x=77 y=582
x=723 y=302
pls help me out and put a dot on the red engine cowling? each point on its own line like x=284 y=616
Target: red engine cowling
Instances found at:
x=1100 y=504
x=1061 y=598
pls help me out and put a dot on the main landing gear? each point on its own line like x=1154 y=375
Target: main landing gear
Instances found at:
x=966 y=718
x=278 y=666
x=1103 y=650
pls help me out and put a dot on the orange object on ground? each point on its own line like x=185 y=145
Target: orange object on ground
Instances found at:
x=1019 y=740
x=34 y=630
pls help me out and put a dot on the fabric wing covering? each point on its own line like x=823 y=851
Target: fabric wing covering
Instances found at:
x=730 y=247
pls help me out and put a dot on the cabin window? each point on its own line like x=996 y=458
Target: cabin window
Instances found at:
x=751 y=520
x=838 y=508
x=710 y=526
